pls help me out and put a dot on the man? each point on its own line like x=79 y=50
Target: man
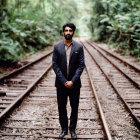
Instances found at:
x=68 y=64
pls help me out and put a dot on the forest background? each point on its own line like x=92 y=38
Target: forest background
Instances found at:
x=27 y=26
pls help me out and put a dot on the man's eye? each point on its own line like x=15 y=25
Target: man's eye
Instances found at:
x=68 y=30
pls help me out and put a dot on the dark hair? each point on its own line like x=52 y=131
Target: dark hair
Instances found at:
x=71 y=25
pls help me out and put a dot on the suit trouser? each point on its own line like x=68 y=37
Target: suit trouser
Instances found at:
x=62 y=96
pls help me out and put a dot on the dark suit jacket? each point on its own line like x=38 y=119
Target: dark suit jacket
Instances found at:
x=76 y=64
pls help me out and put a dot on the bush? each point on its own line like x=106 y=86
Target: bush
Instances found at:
x=19 y=36
x=117 y=22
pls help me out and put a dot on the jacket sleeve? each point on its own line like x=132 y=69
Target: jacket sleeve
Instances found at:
x=80 y=67
x=56 y=68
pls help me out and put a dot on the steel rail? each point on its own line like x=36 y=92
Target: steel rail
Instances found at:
x=19 y=99
x=106 y=129
x=25 y=66
x=135 y=118
x=129 y=78
x=55 y=136
x=117 y=57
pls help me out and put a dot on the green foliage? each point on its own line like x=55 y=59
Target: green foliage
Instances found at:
x=28 y=26
x=119 y=22
x=22 y=36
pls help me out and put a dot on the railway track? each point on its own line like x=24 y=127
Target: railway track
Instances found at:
x=16 y=85
x=37 y=115
x=128 y=70
x=124 y=78
x=42 y=99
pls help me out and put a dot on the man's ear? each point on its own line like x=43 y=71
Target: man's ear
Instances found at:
x=61 y=33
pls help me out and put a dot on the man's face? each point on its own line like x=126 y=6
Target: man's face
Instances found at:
x=68 y=33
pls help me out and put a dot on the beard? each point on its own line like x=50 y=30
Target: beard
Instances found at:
x=68 y=37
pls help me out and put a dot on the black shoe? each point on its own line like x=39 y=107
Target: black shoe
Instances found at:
x=73 y=134
x=63 y=133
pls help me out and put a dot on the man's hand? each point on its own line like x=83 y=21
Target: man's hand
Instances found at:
x=69 y=84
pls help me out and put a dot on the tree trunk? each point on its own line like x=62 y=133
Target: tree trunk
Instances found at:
x=18 y=4
x=3 y=3
x=3 y=9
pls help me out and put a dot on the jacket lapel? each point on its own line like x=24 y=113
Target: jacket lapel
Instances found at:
x=63 y=51
x=64 y=56
x=72 y=50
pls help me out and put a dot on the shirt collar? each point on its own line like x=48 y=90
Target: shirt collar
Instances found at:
x=70 y=44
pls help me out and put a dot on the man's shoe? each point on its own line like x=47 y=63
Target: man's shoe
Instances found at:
x=63 y=133
x=73 y=134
